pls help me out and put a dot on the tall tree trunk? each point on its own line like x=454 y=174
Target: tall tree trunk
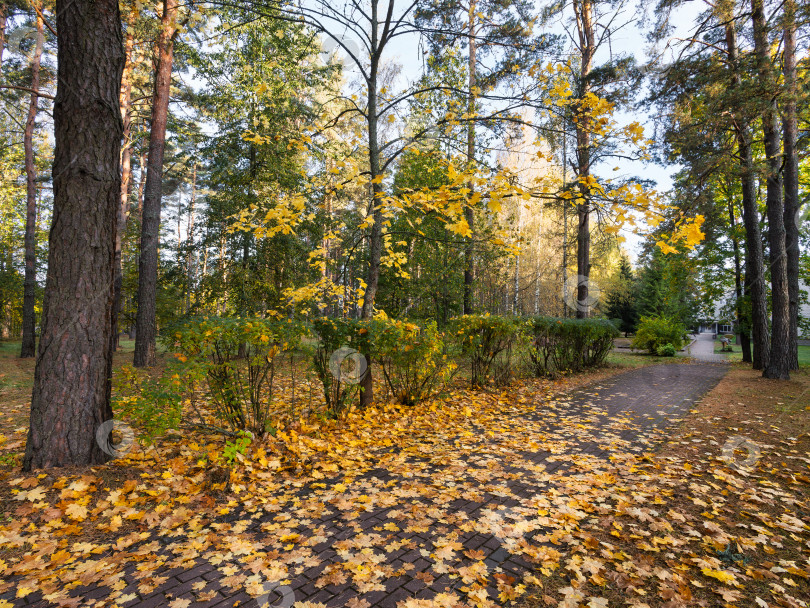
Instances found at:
x=190 y=239
x=29 y=317
x=565 y=220
x=754 y=257
x=204 y=269
x=779 y=359
x=146 y=319
x=375 y=209
x=469 y=213
x=327 y=204
x=583 y=10
x=139 y=217
x=71 y=394
x=743 y=316
x=791 y=182
x=126 y=170
x=141 y=188
x=223 y=269
x=515 y=298
x=3 y=21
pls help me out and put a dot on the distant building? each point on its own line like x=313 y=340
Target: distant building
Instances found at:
x=717 y=327
x=723 y=322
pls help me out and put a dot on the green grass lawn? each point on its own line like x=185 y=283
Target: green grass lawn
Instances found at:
x=640 y=358
x=12 y=347
x=126 y=344
x=9 y=348
x=736 y=353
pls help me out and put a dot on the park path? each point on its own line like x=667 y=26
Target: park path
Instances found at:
x=702 y=349
x=431 y=520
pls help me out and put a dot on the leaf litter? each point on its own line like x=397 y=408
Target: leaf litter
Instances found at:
x=478 y=499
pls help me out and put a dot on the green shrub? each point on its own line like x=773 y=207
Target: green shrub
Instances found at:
x=153 y=401
x=332 y=335
x=560 y=345
x=667 y=350
x=412 y=358
x=236 y=447
x=655 y=332
x=237 y=357
x=487 y=342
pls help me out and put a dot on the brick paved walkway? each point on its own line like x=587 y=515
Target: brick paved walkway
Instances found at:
x=430 y=521
x=703 y=349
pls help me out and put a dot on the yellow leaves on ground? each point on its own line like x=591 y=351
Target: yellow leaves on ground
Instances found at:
x=76 y=511
x=635 y=526
x=721 y=575
x=34 y=495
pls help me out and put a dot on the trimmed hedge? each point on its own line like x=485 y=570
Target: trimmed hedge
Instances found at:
x=561 y=345
x=332 y=335
x=235 y=360
x=412 y=358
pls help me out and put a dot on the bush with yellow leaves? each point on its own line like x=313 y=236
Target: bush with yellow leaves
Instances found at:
x=487 y=341
x=412 y=357
x=237 y=357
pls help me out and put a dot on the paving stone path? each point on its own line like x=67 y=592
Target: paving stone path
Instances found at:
x=703 y=349
x=462 y=505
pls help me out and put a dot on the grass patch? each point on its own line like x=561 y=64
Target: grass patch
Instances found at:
x=736 y=353
x=640 y=359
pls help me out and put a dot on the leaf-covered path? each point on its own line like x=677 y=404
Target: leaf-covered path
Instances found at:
x=460 y=514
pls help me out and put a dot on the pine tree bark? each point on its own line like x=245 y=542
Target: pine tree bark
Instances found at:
x=71 y=394
x=743 y=316
x=126 y=170
x=779 y=359
x=790 y=129
x=583 y=10
x=3 y=21
x=29 y=317
x=754 y=256
x=146 y=318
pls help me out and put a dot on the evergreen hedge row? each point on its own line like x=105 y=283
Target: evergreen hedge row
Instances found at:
x=561 y=345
